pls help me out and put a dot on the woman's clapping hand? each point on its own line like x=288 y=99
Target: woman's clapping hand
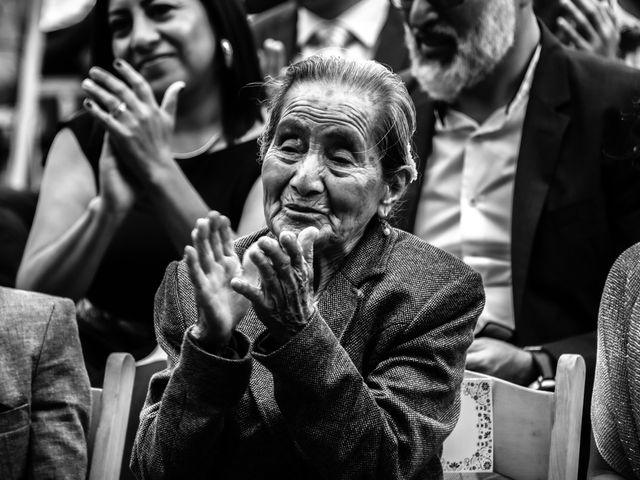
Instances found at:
x=212 y=264
x=140 y=129
x=284 y=301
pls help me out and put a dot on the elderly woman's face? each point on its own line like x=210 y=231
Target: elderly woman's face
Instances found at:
x=322 y=168
x=165 y=40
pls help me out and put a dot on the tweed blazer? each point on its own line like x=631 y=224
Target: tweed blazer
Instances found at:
x=45 y=398
x=368 y=389
x=615 y=408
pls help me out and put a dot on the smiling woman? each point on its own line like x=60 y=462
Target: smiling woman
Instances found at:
x=168 y=133
x=329 y=345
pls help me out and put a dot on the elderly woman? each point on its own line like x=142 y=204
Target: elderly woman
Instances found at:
x=330 y=345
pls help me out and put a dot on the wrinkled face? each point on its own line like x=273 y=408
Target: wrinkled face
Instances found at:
x=454 y=48
x=165 y=40
x=322 y=168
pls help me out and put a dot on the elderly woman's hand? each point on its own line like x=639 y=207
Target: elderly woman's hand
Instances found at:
x=284 y=302
x=140 y=129
x=212 y=264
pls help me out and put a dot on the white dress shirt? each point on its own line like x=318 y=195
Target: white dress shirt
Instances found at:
x=467 y=196
x=364 y=22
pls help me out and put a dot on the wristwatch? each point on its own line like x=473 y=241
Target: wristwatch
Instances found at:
x=544 y=363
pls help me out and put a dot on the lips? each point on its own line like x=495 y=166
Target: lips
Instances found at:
x=432 y=42
x=150 y=60
x=297 y=208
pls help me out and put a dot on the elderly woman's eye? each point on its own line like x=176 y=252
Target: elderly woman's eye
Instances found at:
x=341 y=158
x=292 y=145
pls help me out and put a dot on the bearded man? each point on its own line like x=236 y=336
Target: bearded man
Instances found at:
x=511 y=134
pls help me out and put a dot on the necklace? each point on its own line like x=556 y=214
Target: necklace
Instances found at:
x=208 y=145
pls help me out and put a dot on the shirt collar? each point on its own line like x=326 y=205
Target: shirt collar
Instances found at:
x=364 y=21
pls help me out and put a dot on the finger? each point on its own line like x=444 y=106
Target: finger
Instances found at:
x=578 y=20
x=196 y=274
x=268 y=276
x=572 y=35
x=115 y=87
x=200 y=237
x=292 y=247
x=110 y=123
x=214 y=235
x=135 y=80
x=170 y=99
x=250 y=292
x=307 y=239
x=278 y=257
x=99 y=95
x=593 y=10
x=226 y=237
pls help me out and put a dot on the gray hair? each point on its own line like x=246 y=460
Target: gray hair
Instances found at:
x=395 y=120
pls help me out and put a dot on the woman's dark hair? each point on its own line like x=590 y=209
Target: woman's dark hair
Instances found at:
x=241 y=83
x=395 y=119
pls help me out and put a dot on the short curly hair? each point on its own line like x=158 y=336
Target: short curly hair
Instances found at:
x=395 y=119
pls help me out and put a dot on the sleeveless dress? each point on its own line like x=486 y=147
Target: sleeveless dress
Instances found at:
x=122 y=292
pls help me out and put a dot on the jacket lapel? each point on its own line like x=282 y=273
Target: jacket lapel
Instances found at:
x=337 y=306
x=543 y=131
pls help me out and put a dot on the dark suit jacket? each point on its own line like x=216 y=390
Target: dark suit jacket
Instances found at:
x=574 y=210
x=45 y=398
x=368 y=389
x=280 y=23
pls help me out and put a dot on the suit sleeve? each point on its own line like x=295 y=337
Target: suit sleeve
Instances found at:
x=389 y=421
x=61 y=399
x=183 y=418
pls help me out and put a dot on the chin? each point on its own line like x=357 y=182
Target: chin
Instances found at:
x=476 y=55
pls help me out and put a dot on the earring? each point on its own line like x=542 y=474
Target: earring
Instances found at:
x=227 y=52
x=386 y=229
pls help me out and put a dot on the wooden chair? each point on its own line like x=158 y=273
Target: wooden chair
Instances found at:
x=536 y=435
x=109 y=415
x=145 y=368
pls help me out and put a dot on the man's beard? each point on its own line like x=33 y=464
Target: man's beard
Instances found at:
x=477 y=55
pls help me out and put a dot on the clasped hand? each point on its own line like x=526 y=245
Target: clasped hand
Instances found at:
x=275 y=276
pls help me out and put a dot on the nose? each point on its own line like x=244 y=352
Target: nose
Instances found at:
x=307 y=179
x=144 y=33
x=421 y=12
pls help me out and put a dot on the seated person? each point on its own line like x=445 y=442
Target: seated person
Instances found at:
x=45 y=400
x=124 y=182
x=345 y=360
x=615 y=407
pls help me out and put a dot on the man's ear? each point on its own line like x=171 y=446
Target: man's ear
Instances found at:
x=393 y=192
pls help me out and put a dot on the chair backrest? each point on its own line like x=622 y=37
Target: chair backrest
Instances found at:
x=536 y=435
x=109 y=415
x=145 y=368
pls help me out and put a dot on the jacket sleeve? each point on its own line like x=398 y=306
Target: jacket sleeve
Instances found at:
x=61 y=400
x=183 y=417
x=390 y=420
